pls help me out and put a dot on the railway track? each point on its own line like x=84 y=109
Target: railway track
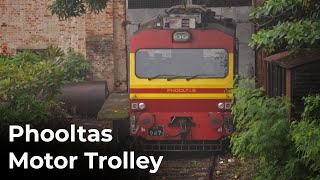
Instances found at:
x=175 y=165
x=186 y=166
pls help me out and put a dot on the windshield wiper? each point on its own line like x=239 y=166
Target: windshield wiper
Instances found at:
x=175 y=77
x=170 y=76
x=160 y=75
x=195 y=76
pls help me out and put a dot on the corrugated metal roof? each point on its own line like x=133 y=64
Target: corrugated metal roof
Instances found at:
x=291 y=60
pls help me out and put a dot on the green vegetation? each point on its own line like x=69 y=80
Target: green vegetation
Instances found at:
x=29 y=84
x=287 y=25
x=65 y=9
x=75 y=67
x=27 y=88
x=284 y=149
x=306 y=135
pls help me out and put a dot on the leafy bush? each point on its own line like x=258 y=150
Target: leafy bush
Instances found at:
x=306 y=135
x=29 y=83
x=26 y=74
x=28 y=86
x=286 y=24
x=312 y=106
x=27 y=110
x=65 y=9
x=259 y=120
x=284 y=149
x=75 y=67
x=53 y=54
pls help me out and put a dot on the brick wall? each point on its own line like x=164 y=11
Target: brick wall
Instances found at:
x=119 y=45
x=28 y=24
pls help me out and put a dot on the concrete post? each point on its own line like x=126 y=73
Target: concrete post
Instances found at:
x=119 y=46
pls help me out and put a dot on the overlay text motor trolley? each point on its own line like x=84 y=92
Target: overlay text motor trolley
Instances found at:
x=182 y=66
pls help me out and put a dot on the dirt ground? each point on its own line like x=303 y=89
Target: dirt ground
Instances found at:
x=229 y=167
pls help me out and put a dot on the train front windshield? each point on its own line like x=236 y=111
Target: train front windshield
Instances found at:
x=181 y=63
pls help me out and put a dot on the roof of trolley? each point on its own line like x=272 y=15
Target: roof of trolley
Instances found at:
x=199 y=16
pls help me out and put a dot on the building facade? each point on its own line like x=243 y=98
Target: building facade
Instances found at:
x=29 y=25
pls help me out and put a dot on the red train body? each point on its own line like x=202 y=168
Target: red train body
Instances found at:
x=182 y=67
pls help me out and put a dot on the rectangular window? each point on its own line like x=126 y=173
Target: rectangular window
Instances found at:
x=181 y=63
x=141 y=4
x=35 y=51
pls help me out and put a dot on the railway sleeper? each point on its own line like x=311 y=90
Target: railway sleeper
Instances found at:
x=186 y=146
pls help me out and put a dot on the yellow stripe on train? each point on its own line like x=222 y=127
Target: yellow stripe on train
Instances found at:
x=179 y=96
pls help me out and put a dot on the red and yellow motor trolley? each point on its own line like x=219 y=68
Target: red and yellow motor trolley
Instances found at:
x=182 y=66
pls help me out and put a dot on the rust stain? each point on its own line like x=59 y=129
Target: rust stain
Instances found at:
x=5 y=49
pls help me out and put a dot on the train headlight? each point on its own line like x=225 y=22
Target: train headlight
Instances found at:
x=177 y=37
x=185 y=37
x=220 y=105
x=142 y=106
x=181 y=36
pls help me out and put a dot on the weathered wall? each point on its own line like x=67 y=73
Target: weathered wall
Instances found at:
x=99 y=49
x=99 y=44
x=28 y=24
x=239 y=14
x=119 y=45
